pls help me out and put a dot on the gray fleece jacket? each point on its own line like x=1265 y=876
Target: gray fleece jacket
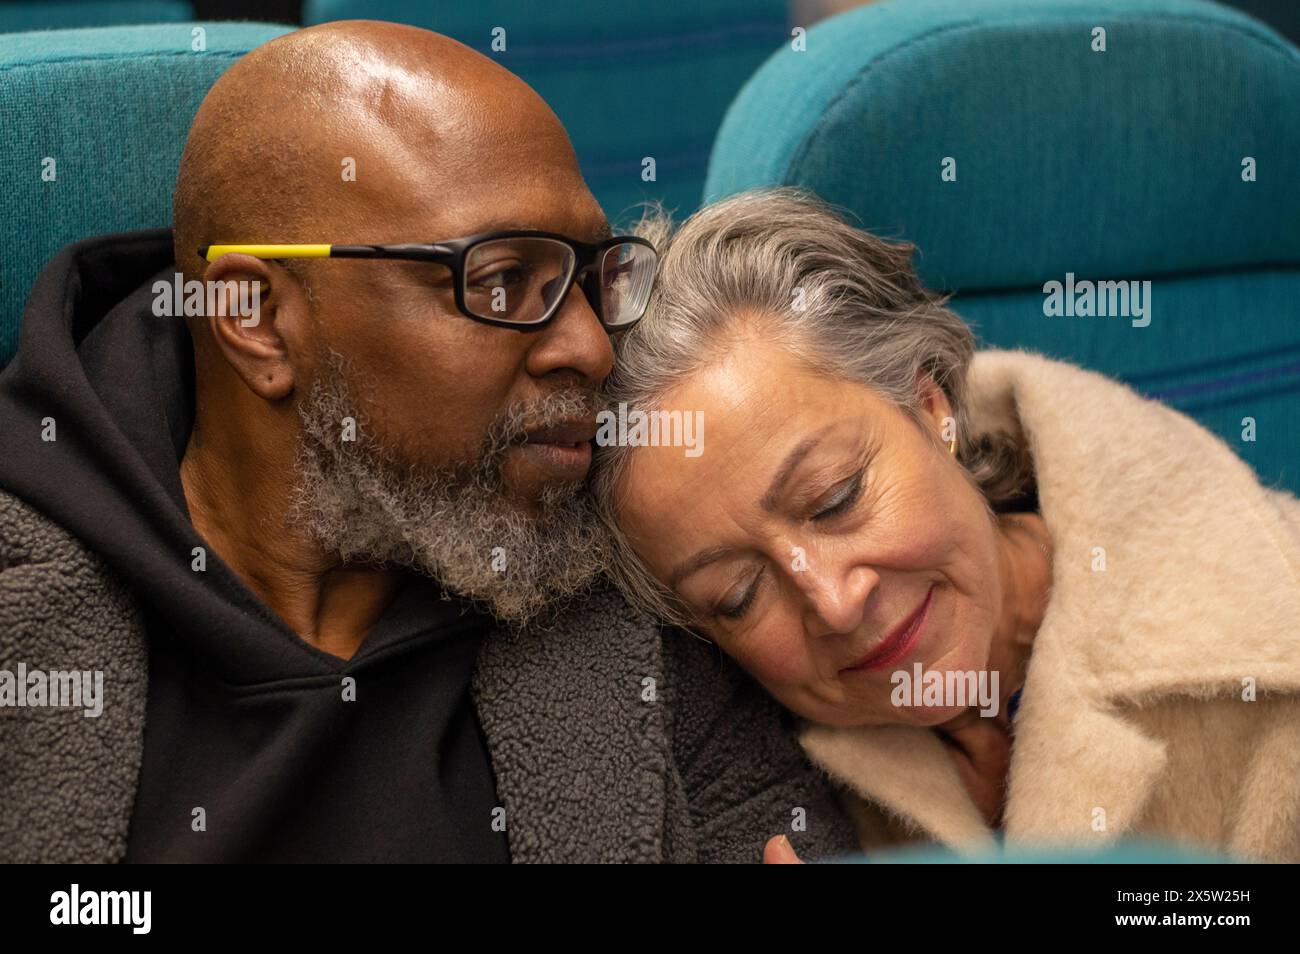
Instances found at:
x=610 y=740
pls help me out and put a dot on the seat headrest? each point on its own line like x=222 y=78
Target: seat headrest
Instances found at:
x=94 y=122
x=1016 y=140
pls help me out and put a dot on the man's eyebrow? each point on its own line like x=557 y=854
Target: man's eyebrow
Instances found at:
x=600 y=233
x=768 y=503
x=504 y=225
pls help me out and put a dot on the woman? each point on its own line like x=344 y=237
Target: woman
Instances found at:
x=1009 y=596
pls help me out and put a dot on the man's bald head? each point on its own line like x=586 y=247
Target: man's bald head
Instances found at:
x=421 y=115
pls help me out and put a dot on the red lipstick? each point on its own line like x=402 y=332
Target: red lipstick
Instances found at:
x=900 y=642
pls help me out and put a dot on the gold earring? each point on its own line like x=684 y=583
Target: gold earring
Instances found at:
x=952 y=447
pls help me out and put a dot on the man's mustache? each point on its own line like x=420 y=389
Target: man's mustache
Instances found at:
x=570 y=406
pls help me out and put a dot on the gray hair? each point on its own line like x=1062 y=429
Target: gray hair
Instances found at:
x=840 y=300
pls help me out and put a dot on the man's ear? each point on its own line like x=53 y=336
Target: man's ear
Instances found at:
x=260 y=322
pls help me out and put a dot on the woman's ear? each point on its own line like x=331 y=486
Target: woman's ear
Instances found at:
x=258 y=317
x=935 y=408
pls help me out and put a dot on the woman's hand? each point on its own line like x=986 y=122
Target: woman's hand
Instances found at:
x=779 y=851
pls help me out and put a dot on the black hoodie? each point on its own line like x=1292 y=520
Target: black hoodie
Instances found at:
x=245 y=720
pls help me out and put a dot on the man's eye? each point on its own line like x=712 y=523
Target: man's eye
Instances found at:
x=844 y=499
x=613 y=273
x=501 y=277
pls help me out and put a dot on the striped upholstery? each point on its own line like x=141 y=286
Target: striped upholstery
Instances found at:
x=1116 y=165
x=628 y=81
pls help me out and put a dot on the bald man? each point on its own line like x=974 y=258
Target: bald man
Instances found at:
x=331 y=559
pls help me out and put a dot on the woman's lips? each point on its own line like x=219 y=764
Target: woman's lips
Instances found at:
x=899 y=643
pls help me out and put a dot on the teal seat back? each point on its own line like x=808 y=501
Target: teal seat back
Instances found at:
x=62 y=14
x=94 y=122
x=1128 y=851
x=1002 y=139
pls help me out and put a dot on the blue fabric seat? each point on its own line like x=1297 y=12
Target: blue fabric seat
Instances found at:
x=1125 y=164
x=628 y=81
x=111 y=108
x=62 y=14
x=1136 y=851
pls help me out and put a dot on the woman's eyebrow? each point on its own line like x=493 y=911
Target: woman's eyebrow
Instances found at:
x=696 y=563
x=768 y=503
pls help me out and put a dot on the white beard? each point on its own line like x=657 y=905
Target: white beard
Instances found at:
x=362 y=504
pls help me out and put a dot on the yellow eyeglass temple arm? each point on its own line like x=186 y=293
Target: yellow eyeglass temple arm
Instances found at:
x=212 y=252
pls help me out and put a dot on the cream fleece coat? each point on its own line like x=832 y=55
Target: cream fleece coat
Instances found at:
x=1134 y=719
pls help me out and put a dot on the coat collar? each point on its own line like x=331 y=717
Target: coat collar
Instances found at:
x=1201 y=589
x=581 y=757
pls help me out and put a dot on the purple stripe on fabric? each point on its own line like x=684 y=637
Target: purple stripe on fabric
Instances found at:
x=1219 y=384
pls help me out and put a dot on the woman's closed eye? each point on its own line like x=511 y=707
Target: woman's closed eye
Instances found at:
x=735 y=609
x=843 y=499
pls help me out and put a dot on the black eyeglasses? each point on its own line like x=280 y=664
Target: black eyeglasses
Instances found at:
x=513 y=279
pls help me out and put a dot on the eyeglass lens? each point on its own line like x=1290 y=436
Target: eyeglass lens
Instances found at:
x=521 y=279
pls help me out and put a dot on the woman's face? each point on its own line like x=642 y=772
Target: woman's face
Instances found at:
x=817 y=521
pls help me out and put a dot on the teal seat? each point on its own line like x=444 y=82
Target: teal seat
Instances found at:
x=1062 y=160
x=1128 y=852
x=93 y=123
x=629 y=81
x=62 y=14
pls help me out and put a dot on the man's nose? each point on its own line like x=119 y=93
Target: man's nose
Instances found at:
x=835 y=600
x=573 y=339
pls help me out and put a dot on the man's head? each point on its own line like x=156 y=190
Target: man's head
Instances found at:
x=374 y=133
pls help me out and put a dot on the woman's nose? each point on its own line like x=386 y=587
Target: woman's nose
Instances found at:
x=836 y=601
